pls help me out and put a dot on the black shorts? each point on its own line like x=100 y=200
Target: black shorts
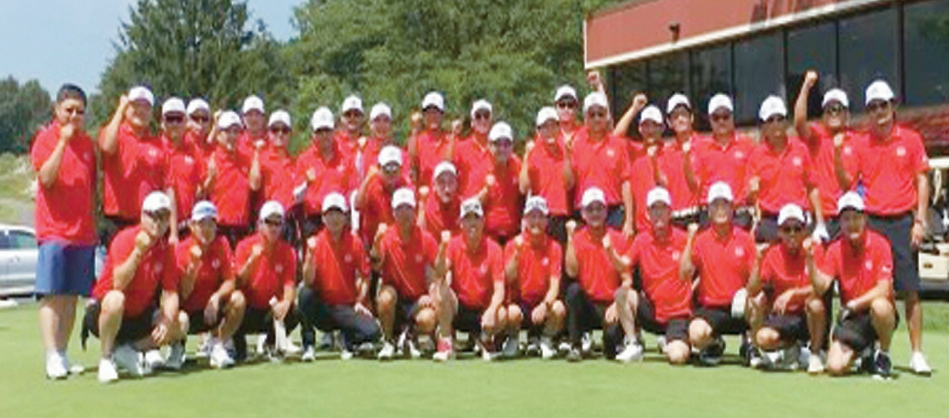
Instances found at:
x=468 y=319
x=676 y=329
x=132 y=329
x=405 y=312
x=196 y=323
x=557 y=229
x=857 y=331
x=792 y=328
x=721 y=320
x=897 y=230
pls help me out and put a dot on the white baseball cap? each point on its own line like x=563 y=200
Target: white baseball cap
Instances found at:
x=592 y=195
x=658 y=195
x=595 y=99
x=471 y=206
x=879 y=90
x=500 y=130
x=444 y=167
x=380 y=109
x=253 y=103
x=173 y=105
x=280 y=116
x=537 y=203
x=481 y=105
x=791 y=211
x=719 y=101
x=677 y=100
x=228 y=119
x=141 y=93
x=837 y=95
x=322 y=119
x=651 y=113
x=271 y=208
x=390 y=154
x=334 y=201
x=850 y=200
x=771 y=106
x=433 y=99
x=203 y=210
x=545 y=114
x=198 y=104
x=719 y=190
x=403 y=196
x=156 y=201
x=352 y=102
x=565 y=91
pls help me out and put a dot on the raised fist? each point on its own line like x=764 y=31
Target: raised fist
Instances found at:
x=416 y=120
x=693 y=228
x=446 y=237
x=195 y=253
x=839 y=140
x=456 y=126
x=490 y=180
x=810 y=78
x=381 y=230
x=687 y=147
x=311 y=175
x=143 y=241
x=571 y=226
x=423 y=192
x=311 y=243
x=640 y=100
x=256 y=251
x=519 y=242
x=607 y=242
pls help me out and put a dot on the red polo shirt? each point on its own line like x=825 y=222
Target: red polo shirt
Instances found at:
x=658 y=262
x=404 y=261
x=278 y=179
x=378 y=206
x=230 y=190
x=474 y=162
x=824 y=174
x=785 y=271
x=184 y=175
x=336 y=174
x=784 y=177
x=64 y=210
x=603 y=164
x=136 y=169
x=371 y=156
x=431 y=148
x=502 y=205
x=155 y=271
x=474 y=273
x=217 y=266
x=671 y=164
x=441 y=216
x=642 y=179
x=724 y=163
x=545 y=169
x=888 y=168
x=337 y=264
x=723 y=265
x=274 y=270
x=537 y=263
x=201 y=147
x=859 y=270
x=596 y=273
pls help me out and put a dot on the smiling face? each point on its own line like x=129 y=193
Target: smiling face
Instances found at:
x=881 y=114
x=567 y=109
x=836 y=116
x=853 y=224
x=381 y=126
x=775 y=129
x=536 y=223
x=723 y=124
x=335 y=221
x=598 y=119
x=481 y=121
x=404 y=215
x=199 y=122
x=501 y=149
x=446 y=186
x=139 y=113
x=255 y=120
x=433 y=118
x=352 y=120
x=594 y=214
x=155 y=224
x=720 y=212
x=204 y=230
x=71 y=111
x=792 y=233
x=472 y=226
x=680 y=120
x=650 y=130
x=173 y=124
x=271 y=227
x=279 y=134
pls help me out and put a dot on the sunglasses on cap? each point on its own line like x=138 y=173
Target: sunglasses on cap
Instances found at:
x=280 y=130
x=352 y=114
x=503 y=143
x=597 y=113
x=391 y=168
x=276 y=223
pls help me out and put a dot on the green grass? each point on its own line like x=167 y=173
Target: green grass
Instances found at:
x=466 y=387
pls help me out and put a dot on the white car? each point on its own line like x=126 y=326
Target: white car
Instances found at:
x=18 y=253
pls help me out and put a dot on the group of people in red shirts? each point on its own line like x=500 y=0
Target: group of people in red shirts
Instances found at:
x=214 y=227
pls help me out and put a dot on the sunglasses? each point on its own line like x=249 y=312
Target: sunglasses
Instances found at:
x=276 y=223
x=878 y=105
x=278 y=130
x=174 y=119
x=200 y=119
x=482 y=116
x=567 y=104
x=720 y=117
x=834 y=109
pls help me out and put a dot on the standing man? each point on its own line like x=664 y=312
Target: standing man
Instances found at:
x=430 y=146
x=500 y=194
x=255 y=120
x=198 y=132
x=861 y=263
x=678 y=159
x=374 y=197
x=542 y=173
x=349 y=135
x=892 y=167
x=64 y=158
x=646 y=171
x=184 y=169
x=442 y=205
x=472 y=155
x=230 y=179
x=566 y=101
x=322 y=169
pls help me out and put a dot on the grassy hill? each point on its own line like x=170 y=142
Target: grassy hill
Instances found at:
x=16 y=200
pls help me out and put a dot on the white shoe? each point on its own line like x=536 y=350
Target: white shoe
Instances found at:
x=205 y=342
x=814 y=364
x=56 y=366
x=346 y=354
x=547 y=350
x=661 y=343
x=446 y=350
x=128 y=358
x=632 y=352
x=309 y=354
x=154 y=360
x=919 y=365
x=76 y=369
x=586 y=343
x=176 y=356
x=510 y=347
x=292 y=348
x=107 y=372
x=261 y=344
x=220 y=358
x=387 y=351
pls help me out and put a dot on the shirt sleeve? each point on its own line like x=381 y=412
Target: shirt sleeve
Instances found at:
x=884 y=264
x=42 y=148
x=362 y=256
x=921 y=160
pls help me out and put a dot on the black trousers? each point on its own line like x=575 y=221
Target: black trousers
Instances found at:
x=259 y=321
x=584 y=315
x=356 y=328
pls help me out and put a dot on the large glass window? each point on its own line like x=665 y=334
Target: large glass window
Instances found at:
x=812 y=48
x=668 y=75
x=711 y=74
x=926 y=52
x=868 y=51
x=759 y=72
x=625 y=79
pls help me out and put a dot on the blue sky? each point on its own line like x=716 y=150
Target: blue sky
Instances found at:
x=58 y=41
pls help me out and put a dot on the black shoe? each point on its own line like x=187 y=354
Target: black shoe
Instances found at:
x=712 y=355
x=882 y=366
x=574 y=355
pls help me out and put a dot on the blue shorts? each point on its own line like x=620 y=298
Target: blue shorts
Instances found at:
x=64 y=269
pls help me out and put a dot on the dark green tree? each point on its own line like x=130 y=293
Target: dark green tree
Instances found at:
x=23 y=110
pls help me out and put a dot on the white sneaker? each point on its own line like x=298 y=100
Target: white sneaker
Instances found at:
x=55 y=366
x=346 y=354
x=176 y=356
x=154 y=360
x=510 y=347
x=919 y=365
x=76 y=369
x=632 y=352
x=128 y=358
x=586 y=343
x=261 y=345
x=107 y=372
x=220 y=358
x=205 y=342
x=446 y=350
x=292 y=348
x=814 y=364
x=661 y=343
x=547 y=350
x=309 y=354
x=387 y=351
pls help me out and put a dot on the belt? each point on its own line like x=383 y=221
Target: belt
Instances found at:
x=685 y=213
